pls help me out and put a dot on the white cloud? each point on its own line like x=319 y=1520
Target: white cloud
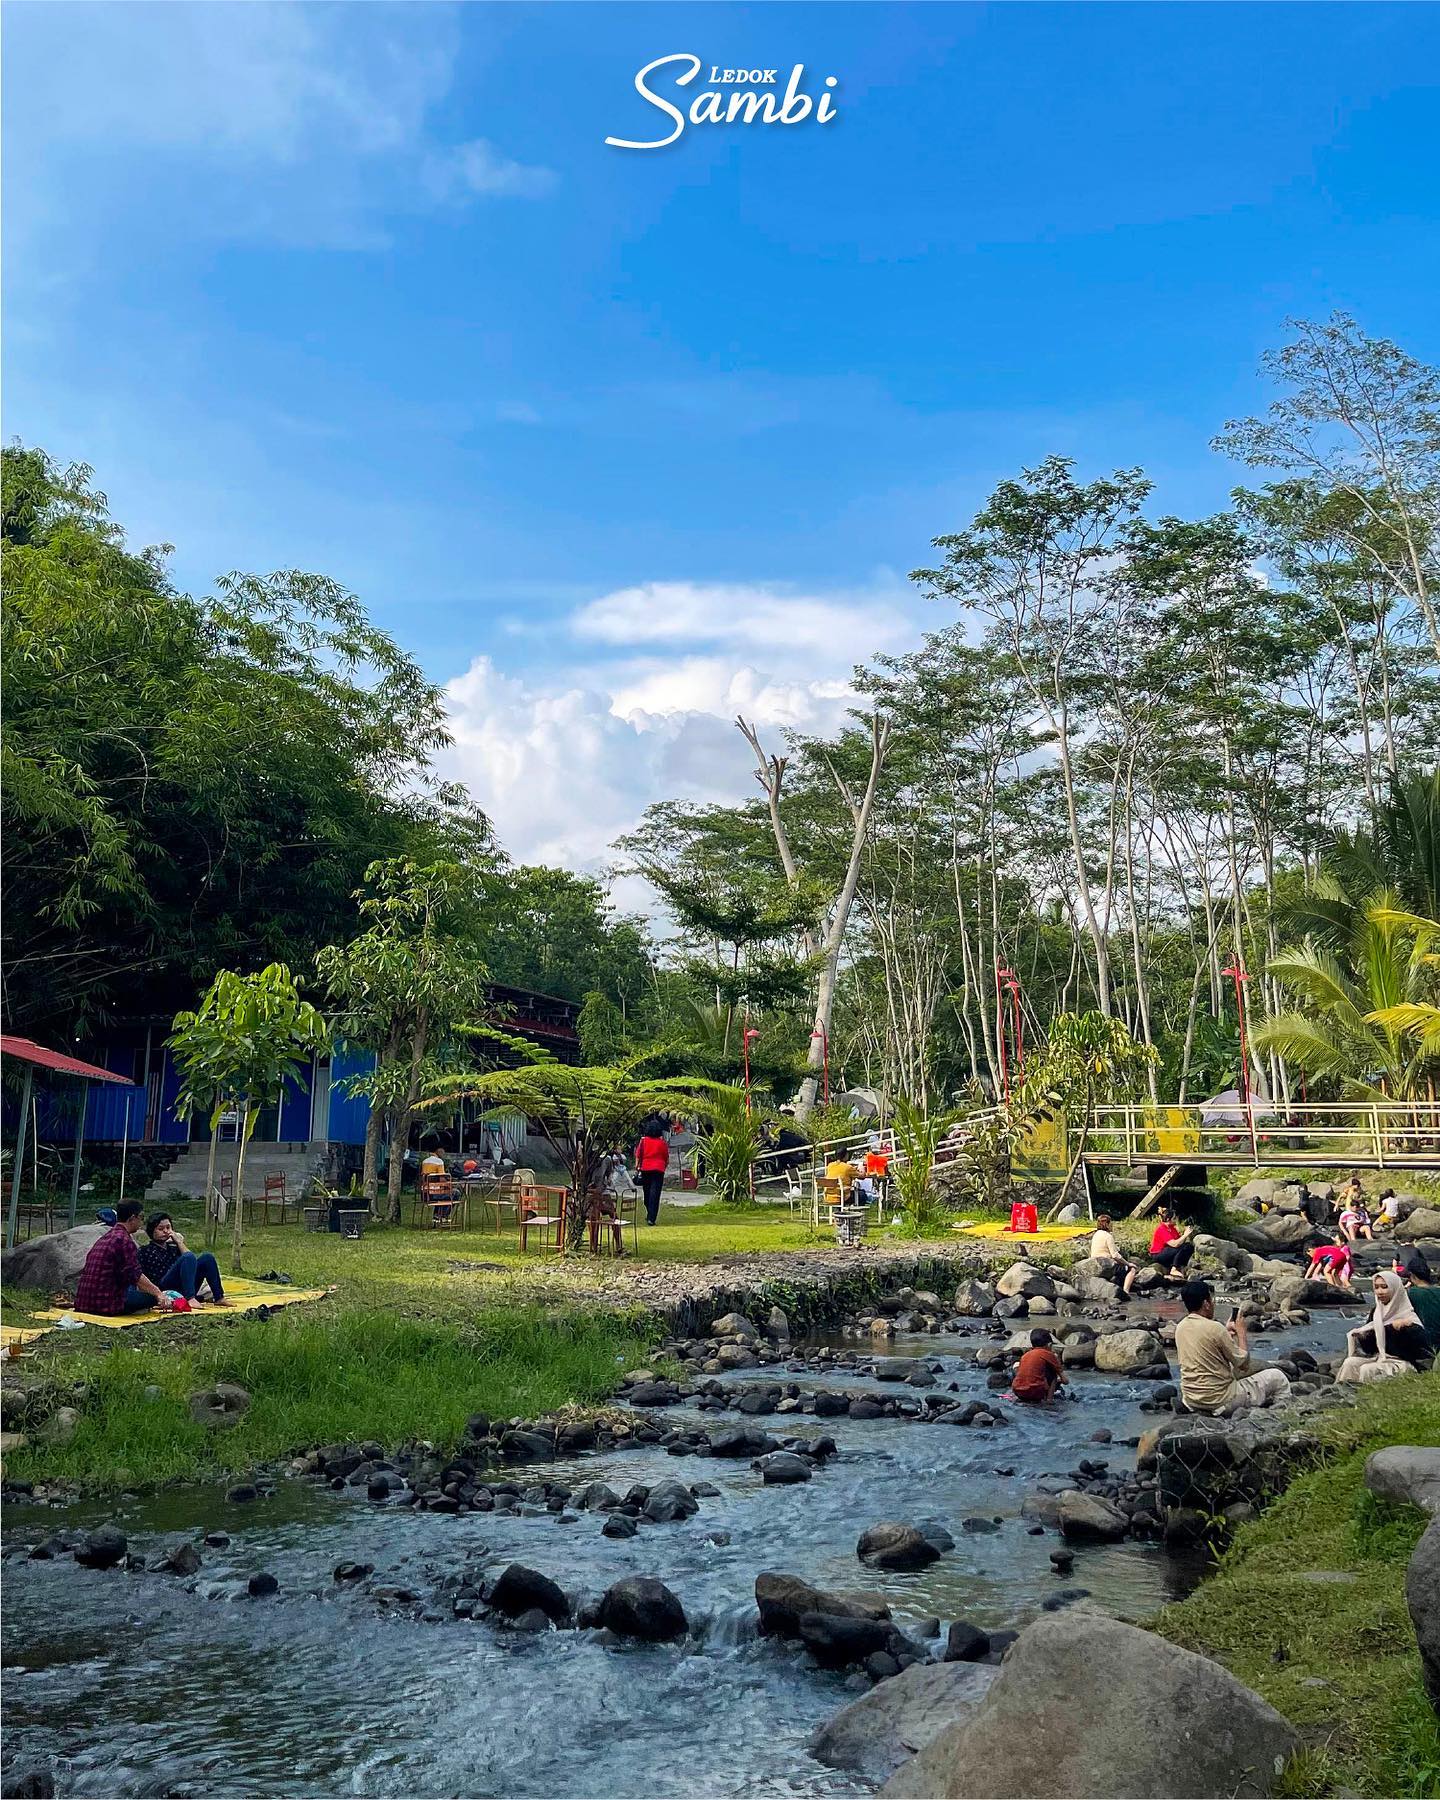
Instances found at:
x=561 y=775
x=776 y=620
x=479 y=168
x=284 y=123
x=565 y=761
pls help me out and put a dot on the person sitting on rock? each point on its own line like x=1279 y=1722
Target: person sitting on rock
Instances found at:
x=1394 y=1334
x=112 y=1281
x=1213 y=1356
x=171 y=1266
x=1424 y=1296
x=1355 y=1217
x=1170 y=1246
x=1105 y=1251
x=1333 y=1263
x=1388 y=1217
x=1039 y=1373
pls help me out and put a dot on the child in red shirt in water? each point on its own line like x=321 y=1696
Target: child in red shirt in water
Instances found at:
x=1039 y=1372
x=1334 y=1262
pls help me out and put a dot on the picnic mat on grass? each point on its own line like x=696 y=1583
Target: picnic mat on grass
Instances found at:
x=18 y=1334
x=244 y=1296
x=1047 y=1234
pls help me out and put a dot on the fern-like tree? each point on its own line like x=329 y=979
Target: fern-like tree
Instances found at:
x=587 y=1113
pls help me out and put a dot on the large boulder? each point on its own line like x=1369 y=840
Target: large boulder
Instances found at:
x=734 y=1325
x=875 y=1734
x=1023 y=1281
x=1424 y=1222
x=668 y=1501
x=1089 y=1519
x=223 y=1405
x=1405 y=1473
x=1422 y=1596
x=974 y=1299
x=783 y=1599
x=1286 y=1231
x=840 y=1642
x=892 y=1545
x=102 y=1548
x=519 y=1590
x=1289 y=1291
x=1123 y=1352
x=1138 y=1716
x=52 y=1262
x=642 y=1607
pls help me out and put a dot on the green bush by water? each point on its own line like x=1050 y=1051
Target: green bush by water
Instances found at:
x=357 y=1374
x=1279 y=1630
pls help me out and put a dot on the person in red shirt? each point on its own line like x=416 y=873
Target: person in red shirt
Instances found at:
x=1171 y=1247
x=1039 y=1372
x=652 y=1158
x=112 y=1281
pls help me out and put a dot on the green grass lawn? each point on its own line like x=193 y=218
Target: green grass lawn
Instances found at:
x=409 y=1343
x=1371 y=1729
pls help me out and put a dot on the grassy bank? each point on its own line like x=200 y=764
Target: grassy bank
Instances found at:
x=421 y=1329
x=1308 y=1608
x=315 y=1378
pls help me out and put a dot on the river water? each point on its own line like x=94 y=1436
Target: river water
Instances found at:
x=128 y=1684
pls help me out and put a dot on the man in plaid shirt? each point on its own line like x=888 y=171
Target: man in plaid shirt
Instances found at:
x=111 y=1281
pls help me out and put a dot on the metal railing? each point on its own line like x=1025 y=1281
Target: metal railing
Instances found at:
x=1400 y=1134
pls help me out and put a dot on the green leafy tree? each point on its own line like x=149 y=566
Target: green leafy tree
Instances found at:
x=188 y=783
x=1364 y=1021
x=248 y=1036
x=402 y=985
x=1088 y=1061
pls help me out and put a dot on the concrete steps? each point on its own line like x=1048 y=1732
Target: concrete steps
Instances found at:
x=298 y=1163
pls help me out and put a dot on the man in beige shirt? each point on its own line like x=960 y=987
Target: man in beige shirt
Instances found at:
x=1212 y=1357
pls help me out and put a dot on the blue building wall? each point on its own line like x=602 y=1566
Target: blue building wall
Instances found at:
x=349 y=1114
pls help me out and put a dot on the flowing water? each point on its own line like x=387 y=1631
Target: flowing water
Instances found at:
x=127 y=1683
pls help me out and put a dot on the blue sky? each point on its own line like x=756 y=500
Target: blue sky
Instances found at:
x=621 y=441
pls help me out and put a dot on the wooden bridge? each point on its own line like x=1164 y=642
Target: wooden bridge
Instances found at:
x=1340 y=1134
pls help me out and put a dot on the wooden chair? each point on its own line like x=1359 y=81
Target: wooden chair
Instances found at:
x=534 y=1213
x=604 y=1238
x=443 y=1200
x=504 y=1196
x=829 y=1192
x=276 y=1190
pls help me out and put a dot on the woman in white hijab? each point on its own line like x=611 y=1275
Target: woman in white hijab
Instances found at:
x=1394 y=1340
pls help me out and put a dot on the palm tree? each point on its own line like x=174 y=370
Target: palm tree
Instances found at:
x=1357 y=1022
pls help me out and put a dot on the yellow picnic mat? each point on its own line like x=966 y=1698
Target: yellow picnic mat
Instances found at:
x=18 y=1334
x=1047 y=1234
x=244 y=1296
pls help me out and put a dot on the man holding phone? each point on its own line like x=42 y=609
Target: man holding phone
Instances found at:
x=1213 y=1356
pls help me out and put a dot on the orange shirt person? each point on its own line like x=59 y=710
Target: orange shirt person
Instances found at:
x=1039 y=1372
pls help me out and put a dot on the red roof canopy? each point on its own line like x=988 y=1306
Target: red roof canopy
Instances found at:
x=26 y=1051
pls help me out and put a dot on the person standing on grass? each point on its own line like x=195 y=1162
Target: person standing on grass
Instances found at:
x=169 y=1264
x=1213 y=1356
x=1170 y=1246
x=1039 y=1375
x=652 y=1158
x=112 y=1281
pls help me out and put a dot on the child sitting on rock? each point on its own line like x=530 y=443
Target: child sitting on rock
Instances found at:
x=1039 y=1373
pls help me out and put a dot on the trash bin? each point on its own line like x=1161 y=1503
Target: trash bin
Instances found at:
x=352 y=1222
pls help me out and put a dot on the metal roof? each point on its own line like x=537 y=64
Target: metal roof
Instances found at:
x=25 y=1051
